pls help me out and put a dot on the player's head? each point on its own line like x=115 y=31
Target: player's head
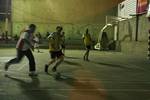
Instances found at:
x=59 y=29
x=32 y=28
x=87 y=31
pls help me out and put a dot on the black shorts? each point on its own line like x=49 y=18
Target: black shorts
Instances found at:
x=56 y=54
x=88 y=47
x=63 y=46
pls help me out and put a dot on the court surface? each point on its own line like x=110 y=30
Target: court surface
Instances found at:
x=108 y=76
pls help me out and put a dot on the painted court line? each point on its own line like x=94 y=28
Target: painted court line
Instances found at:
x=109 y=90
x=60 y=95
x=92 y=90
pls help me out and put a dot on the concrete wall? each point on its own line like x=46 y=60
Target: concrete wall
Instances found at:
x=127 y=31
x=60 y=11
x=73 y=32
x=75 y=19
x=2 y=27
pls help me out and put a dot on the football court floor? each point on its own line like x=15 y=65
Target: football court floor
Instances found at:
x=107 y=76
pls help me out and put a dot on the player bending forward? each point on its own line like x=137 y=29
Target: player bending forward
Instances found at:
x=55 y=50
x=23 y=47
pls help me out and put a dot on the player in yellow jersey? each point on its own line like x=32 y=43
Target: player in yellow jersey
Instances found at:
x=87 y=42
x=55 y=49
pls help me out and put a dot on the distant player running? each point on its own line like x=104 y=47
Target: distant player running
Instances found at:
x=87 y=42
x=55 y=50
x=23 y=49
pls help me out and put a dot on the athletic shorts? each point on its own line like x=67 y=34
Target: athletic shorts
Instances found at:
x=63 y=46
x=56 y=54
x=88 y=47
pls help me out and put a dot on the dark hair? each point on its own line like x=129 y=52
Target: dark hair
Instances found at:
x=59 y=27
x=31 y=26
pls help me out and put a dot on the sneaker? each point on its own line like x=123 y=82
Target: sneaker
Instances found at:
x=54 y=69
x=6 y=67
x=33 y=73
x=46 y=68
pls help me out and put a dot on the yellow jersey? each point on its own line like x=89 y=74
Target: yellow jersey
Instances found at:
x=55 y=42
x=87 y=39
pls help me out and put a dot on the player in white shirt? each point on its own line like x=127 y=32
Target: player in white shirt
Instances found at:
x=23 y=47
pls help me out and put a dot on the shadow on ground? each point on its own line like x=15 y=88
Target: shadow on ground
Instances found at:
x=32 y=89
x=116 y=66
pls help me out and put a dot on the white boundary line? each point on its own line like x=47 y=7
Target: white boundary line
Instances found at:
x=60 y=95
x=98 y=89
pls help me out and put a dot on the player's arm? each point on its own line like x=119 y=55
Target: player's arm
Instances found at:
x=83 y=37
x=51 y=39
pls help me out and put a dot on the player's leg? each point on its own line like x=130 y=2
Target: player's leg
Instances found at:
x=60 y=59
x=15 y=60
x=53 y=59
x=63 y=48
x=47 y=65
x=32 y=67
x=87 y=55
x=84 y=57
x=38 y=49
x=36 y=46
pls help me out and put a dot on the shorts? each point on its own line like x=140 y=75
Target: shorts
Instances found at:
x=88 y=47
x=56 y=54
x=63 y=46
